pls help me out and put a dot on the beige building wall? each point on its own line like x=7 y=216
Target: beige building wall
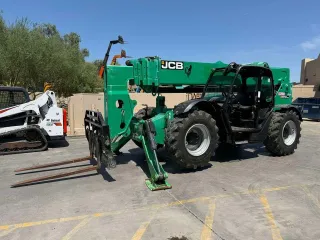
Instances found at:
x=305 y=91
x=79 y=103
x=77 y=106
x=310 y=71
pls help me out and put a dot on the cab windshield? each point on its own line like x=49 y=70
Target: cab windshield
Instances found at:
x=218 y=86
x=242 y=89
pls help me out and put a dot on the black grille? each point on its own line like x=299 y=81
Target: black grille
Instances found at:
x=13 y=120
x=10 y=98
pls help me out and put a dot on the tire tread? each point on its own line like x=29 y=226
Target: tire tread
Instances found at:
x=273 y=142
x=172 y=142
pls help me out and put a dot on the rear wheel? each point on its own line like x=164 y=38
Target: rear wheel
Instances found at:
x=192 y=139
x=284 y=133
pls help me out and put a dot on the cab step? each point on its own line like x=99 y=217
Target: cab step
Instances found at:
x=247 y=130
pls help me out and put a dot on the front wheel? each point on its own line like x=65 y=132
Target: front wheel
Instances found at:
x=284 y=133
x=192 y=139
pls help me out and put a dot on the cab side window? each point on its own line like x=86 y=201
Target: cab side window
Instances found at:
x=266 y=91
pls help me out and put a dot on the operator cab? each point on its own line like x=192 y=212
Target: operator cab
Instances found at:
x=244 y=93
x=12 y=96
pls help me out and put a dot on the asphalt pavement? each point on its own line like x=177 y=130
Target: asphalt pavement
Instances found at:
x=244 y=194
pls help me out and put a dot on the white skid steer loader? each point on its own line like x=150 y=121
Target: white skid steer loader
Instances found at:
x=27 y=126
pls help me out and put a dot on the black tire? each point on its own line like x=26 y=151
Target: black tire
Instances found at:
x=275 y=142
x=142 y=114
x=175 y=139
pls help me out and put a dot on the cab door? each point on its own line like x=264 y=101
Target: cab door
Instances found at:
x=264 y=97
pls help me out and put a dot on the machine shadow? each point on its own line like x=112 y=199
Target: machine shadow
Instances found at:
x=137 y=156
x=106 y=176
x=239 y=153
x=311 y=120
x=103 y=172
x=231 y=154
x=58 y=144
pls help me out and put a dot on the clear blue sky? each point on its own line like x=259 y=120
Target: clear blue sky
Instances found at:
x=279 y=32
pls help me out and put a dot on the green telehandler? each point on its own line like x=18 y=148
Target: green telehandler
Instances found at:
x=239 y=102
x=248 y=102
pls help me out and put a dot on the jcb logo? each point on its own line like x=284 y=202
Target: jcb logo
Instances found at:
x=172 y=65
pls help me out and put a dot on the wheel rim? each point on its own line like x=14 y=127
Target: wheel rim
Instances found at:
x=197 y=139
x=289 y=132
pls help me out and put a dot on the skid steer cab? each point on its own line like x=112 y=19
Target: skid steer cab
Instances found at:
x=36 y=122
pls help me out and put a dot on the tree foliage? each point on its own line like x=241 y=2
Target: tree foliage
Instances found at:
x=32 y=54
